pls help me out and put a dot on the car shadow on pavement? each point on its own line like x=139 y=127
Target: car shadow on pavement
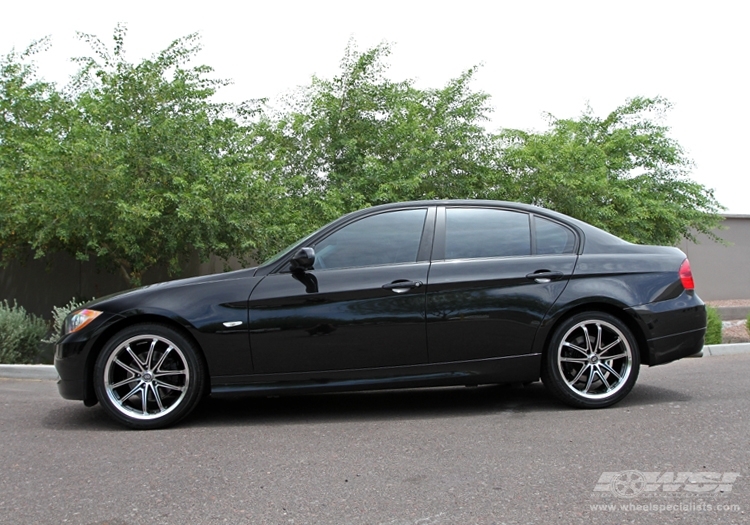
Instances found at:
x=510 y=401
x=373 y=405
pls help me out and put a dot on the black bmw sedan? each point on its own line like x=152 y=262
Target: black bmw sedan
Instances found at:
x=429 y=293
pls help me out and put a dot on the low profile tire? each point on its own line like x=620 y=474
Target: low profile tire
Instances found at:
x=592 y=361
x=149 y=376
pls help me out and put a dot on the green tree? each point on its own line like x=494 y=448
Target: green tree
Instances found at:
x=32 y=124
x=147 y=170
x=623 y=173
x=362 y=139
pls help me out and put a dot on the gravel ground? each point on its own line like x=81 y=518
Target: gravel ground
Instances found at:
x=734 y=332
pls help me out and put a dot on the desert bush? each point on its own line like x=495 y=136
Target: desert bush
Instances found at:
x=713 y=328
x=59 y=313
x=21 y=334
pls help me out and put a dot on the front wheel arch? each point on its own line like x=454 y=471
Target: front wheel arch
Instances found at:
x=90 y=398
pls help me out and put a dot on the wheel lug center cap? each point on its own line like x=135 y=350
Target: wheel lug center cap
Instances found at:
x=594 y=359
x=147 y=377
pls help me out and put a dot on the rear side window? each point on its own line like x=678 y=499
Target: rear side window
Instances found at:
x=553 y=238
x=481 y=232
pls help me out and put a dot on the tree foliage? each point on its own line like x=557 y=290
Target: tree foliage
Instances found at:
x=362 y=139
x=136 y=164
x=623 y=173
x=145 y=167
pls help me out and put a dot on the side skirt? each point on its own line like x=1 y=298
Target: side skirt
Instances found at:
x=486 y=371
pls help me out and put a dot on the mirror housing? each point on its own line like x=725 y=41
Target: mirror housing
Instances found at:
x=303 y=259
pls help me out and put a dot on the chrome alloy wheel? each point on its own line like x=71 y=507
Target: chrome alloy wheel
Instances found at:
x=146 y=377
x=594 y=359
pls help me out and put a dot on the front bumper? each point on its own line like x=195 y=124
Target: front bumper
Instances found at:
x=75 y=356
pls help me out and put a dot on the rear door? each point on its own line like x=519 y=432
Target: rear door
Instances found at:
x=495 y=274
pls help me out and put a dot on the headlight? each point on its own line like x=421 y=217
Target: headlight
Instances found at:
x=79 y=319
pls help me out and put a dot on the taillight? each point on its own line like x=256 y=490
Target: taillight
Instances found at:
x=686 y=276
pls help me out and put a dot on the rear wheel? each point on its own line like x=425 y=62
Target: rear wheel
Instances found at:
x=592 y=361
x=149 y=376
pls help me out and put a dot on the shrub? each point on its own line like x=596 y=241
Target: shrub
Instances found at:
x=21 y=334
x=713 y=328
x=59 y=313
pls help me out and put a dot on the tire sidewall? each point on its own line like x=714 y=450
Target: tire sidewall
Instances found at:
x=195 y=368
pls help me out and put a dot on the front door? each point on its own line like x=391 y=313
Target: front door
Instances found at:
x=361 y=306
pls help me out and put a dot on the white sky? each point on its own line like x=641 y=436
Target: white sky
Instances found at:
x=537 y=57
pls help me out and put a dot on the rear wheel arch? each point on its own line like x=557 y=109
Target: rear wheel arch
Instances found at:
x=608 y=308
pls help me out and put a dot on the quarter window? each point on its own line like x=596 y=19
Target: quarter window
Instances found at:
x=553 y=238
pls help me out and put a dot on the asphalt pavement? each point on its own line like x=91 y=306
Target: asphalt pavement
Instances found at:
x=486 y=455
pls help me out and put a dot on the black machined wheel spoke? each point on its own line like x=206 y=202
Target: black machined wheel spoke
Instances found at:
x=162 y=384
x=580 y=373
x=574 y=347
x=128 y=368
x=598 y=338
x=574 y=360
x=162 y=358
x=157 y=397
x=169 y=373
x=135 y=358
x=144 y=399
x=608 y=347
x=604 y=379
x=150 y=354
x=125 y=382
x=587 y=336
x=131 y=393
x=590 y=380
x=611 y=370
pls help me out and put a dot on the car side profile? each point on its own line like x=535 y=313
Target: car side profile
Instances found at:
x=424 y=293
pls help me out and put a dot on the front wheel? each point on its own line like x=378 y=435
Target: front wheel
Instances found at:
x=149 y=376
x=592 y=361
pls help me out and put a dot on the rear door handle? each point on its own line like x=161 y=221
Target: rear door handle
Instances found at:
x=402 y=286
x=545 y=276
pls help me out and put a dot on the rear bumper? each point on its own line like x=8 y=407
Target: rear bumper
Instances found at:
x=673 y=347
x=673 y=329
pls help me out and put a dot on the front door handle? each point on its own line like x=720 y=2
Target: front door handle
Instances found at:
x=402 y=286
x=545 y=276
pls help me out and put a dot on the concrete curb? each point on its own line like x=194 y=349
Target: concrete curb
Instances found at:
x=736 y=348
x=49 y=372
x=28 y=372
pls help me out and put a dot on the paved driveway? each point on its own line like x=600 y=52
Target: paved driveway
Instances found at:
x=453 y=456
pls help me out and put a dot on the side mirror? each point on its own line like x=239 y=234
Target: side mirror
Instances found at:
x=303 y=259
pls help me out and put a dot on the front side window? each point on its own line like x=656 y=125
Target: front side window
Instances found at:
x=483 y=232
x=387 y=238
